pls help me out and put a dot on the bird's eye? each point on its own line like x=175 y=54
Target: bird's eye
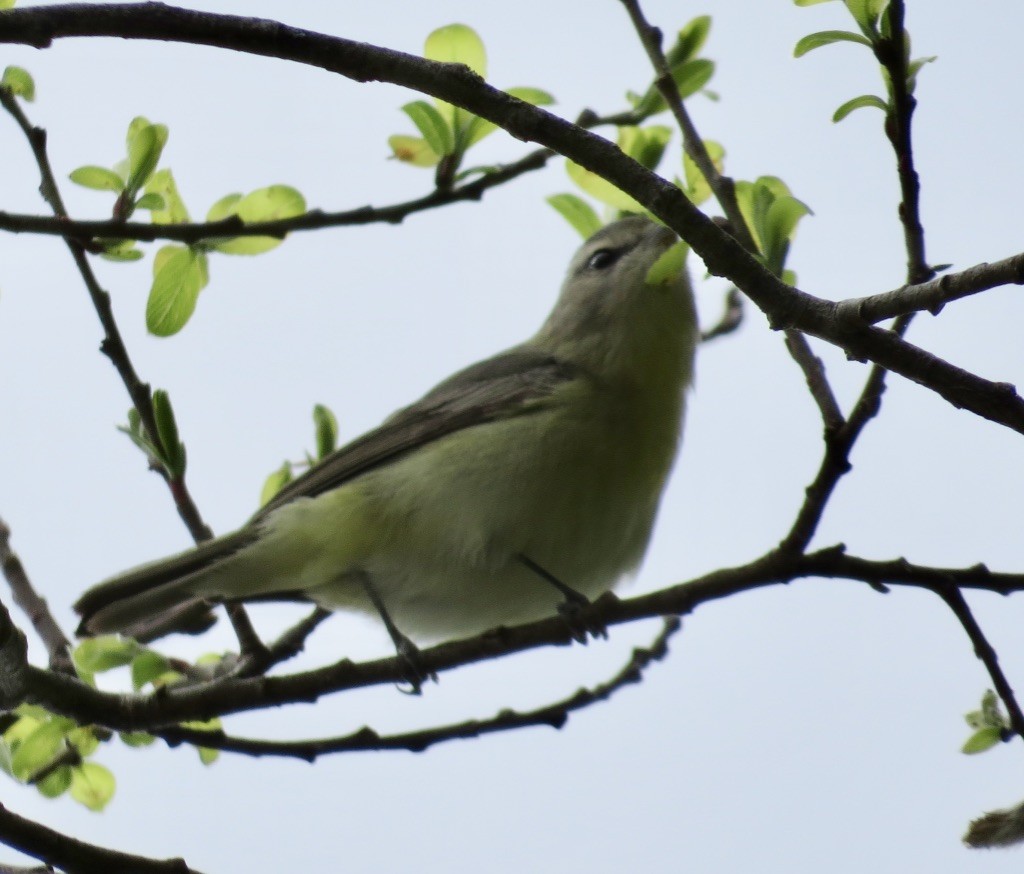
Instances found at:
x=603 y=259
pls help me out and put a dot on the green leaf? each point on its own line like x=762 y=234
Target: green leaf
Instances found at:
x=120 y=250
x=179 y=274
x=19 y=82
x=692 y=76
x=94 y=655
x=778 y=228
x=162 y=184
x=262 y=205
x=689 y=76
x=826 y=37
x=206 y=755
x=173 y=454
x=275 y=482
x=810 y=2
x=136 y=738
x=98 y=178
x=432 y=125
x=577 y=212
x=145 y=144
x=644 y=145
x=270 y=203
x=5 y=758
x=669 y=265
x=689 y=41
x=457 y=44
x=914 y=67
x=148 y=667
x=38 y=749
x=601 y=189
x=7 y=4
x=92 y=785
x=326 y=426
x=84 y=740
x=27 y=724
x=981 y=740
x=697 y=188
x=859 y=103
x=866 y=13
x=413 y=150
x=152 y=202
x=56 y=783
x=223 y=208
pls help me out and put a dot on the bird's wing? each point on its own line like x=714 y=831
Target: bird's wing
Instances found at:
x=513 y=383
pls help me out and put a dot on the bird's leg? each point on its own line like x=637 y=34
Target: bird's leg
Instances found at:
x=408 y=653
x=573 y=608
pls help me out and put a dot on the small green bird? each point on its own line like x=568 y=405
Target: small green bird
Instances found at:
x=522 y=478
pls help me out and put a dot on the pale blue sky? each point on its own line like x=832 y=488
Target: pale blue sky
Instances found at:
x=812 y=727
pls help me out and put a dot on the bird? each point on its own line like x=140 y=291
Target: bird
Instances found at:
x=522 y=483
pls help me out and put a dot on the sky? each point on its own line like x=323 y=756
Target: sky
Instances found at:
x=806 y=727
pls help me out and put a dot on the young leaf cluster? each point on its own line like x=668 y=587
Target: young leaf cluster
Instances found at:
x=325 y=427
x=989 y=723
x=50 y=752
x=769 y=209
x=447 y=132
x=874 y=23
x=19 y=82
x=180 y=273
x=169 y=456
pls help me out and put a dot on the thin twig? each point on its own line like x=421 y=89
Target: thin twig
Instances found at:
x=724 y=189
x=114 y=348
x=287 y=646
x=113 y=345
x=936 y=293
x=985 y=652
x=197 y=232
x=891 y=54
x=555 y=715
x=58 y=647
x=835 y=461
x=817 y=383
x=730 y=320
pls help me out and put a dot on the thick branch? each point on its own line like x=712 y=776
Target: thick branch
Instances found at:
x=167 y=707
x=785 y=307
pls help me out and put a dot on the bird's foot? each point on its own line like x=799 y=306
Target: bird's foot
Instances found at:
x=414 y=672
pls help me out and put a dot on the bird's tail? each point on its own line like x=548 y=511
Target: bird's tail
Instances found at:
x=154 y=594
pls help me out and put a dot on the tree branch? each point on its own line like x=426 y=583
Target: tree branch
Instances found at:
x=166 y=707
x=74 y=856
x=936 y=293
x=785 y=307
x=555 y=715
x=198 y=232
x=113 y=344
x=58 y=647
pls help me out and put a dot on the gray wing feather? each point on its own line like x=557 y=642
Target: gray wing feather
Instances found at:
x=506 y=385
